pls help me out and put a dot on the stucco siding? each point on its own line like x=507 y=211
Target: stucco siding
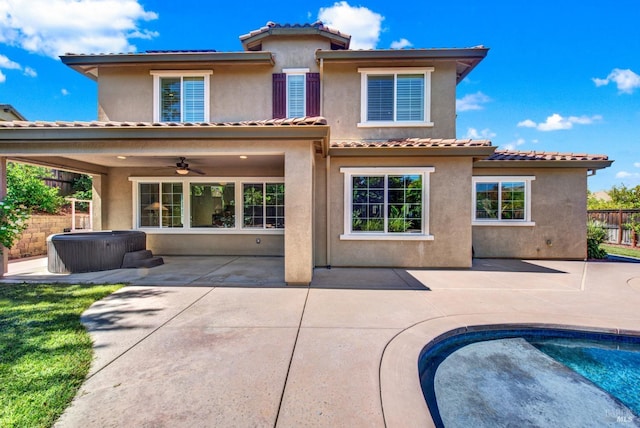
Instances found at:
x=240 y=93
x=125 y=94
x=449 y=213
x=341 y=94
x=216 y=245
x=559 y=210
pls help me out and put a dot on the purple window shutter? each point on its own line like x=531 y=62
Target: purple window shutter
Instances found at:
x=313 y=94
x=279 y=95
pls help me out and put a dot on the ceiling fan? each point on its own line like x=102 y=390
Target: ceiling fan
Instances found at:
x=182 y=168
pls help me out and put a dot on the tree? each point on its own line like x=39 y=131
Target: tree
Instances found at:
x=622 y=197
x=25 y=186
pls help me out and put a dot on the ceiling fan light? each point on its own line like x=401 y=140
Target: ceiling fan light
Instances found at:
x=182 y=171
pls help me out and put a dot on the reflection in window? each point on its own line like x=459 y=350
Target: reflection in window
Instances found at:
x=263 y=205
x=171 y=204
x=160 y=209
x=213 y=205
x=150 y=206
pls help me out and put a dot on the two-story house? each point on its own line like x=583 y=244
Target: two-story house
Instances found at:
x=299 y=147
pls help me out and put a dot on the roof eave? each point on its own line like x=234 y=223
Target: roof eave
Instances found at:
x=466 y=58
x=88 y=64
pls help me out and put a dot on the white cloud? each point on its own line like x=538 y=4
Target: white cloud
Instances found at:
x=64 y=92
x=361 y=23
x=55 y=27
x=28 y=71
x=636 y=164
x=484 y=134
x=401 y=44
x=625 y=174
x=472 y=102
x=8 y=64
x=626 y=80
x=514 y=144
x=527 y=123
x=556 y=122
x=3 y=78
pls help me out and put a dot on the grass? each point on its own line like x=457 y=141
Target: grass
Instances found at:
x=45 y=352
x=621 y=251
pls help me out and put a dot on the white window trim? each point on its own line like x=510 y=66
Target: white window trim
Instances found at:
x=296 y=72
x=364 y=72
x=503 y=178
x=157 y=74
x=349 y=172
x=186 y=229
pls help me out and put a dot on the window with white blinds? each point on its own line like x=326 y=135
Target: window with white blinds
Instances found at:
x=396 y=97
x=295 y=95
x=180 y=96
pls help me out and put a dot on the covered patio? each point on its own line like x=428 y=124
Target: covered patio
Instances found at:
x=119 y=155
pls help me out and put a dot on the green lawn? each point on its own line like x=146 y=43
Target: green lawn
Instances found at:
x=621 y=251
x=45 y=352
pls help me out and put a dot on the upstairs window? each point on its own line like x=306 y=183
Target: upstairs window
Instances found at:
x=395 y=97
x=181 y=96
x=296 y=93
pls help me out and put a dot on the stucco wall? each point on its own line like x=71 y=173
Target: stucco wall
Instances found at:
x=341 y=93
x=559 y=210
x=125 y=94
x=295 y=52
x=449 y=213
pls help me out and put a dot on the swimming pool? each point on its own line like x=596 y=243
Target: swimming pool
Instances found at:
x=532 y=376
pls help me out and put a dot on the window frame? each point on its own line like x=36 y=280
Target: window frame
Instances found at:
x=186 y=208
x=350 y=172
x=296 y=72
x=527 y=221
x=395 y=71
x=180 y=74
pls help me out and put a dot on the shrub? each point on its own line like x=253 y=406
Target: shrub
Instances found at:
x=13 y=221
x=596 y=235
x=25 y=185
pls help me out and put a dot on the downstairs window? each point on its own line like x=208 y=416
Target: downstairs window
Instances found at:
x=386 y=203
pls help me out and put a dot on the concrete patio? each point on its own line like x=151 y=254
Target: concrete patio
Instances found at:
x=221 y=341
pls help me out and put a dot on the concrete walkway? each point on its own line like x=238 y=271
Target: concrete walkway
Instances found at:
x=224 y=342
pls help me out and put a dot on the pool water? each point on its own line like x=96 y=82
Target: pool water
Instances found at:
x=613 y=368
x=611 y=362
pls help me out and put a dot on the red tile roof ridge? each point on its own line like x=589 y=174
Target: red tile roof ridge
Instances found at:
x=411 y=142
x=270 y=24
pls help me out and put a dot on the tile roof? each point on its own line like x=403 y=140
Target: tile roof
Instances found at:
x=412 y=142
x=513 y=155
x=303 y=121
x=269 y=25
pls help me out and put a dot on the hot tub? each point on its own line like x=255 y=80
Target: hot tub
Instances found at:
x=92 y=251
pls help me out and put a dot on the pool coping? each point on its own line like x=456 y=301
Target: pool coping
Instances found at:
x=403 y=403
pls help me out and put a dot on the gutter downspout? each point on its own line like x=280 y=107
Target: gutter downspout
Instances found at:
x=328 y=194
x=327 y=164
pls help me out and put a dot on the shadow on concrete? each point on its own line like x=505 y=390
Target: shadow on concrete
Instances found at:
x=121 y=306
x=509 y=265
x=365 y=279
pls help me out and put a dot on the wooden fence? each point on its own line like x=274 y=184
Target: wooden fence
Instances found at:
x=617 y=223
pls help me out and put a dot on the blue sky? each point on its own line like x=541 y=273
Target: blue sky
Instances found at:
x=560 y=76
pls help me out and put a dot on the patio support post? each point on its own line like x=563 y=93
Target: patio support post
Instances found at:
x=3 y=193
x=298 y=232
x=98 y=191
